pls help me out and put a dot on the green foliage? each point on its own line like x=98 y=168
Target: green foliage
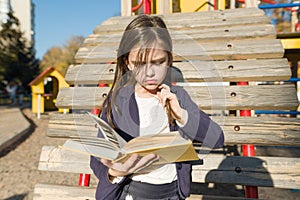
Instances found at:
x=17 y=56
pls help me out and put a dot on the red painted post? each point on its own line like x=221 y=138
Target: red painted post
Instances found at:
x=84 y=179
x=248 y=150
x=147 y=6
x=215 y=5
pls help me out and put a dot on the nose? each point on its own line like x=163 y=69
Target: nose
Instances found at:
x=150 y=72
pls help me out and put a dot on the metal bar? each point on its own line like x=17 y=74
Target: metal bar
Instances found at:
x=280 y=5
x=248 y=150
x=147 y=7
x=277 y=112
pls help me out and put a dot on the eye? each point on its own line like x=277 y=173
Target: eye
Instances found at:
x=159 y=62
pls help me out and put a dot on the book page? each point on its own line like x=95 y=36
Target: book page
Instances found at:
x=155 y=141
x=100 y=148
x=108 y=132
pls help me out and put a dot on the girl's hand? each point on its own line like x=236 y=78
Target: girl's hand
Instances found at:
x=132 y=165
x=169 y=99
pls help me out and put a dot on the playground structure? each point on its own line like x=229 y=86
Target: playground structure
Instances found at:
x=243 y=48
x=44 y=90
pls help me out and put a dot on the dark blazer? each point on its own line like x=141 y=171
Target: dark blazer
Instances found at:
x=199 y=127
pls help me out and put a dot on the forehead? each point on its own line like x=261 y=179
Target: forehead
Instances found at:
x=153 y=53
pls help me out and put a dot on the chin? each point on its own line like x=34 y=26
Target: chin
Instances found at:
x=151 y=87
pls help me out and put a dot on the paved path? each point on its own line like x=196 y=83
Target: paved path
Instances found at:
x=19 y=165
x=13 y=126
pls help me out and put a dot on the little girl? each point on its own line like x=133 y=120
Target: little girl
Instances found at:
x=142 y=101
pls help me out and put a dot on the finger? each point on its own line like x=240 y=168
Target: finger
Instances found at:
x=106 y=162
x=130 y=163
x=144 y=162
x=164 y=86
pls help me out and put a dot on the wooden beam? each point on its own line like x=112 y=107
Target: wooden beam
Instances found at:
x=62 y=192
x=267 y=131
x=177 y=20
x=203 y=35
x=259 y=97
x=164 y=7
x=259 y=171
x=255 y=171
x=126 y=7
x=192 y=50
x=196 y=71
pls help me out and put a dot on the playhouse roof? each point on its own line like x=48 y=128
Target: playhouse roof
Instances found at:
x=42 y=75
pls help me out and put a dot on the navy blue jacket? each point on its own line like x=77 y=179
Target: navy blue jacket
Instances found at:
x=199 y=127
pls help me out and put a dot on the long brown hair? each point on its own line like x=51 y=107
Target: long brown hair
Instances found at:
x=143 y=31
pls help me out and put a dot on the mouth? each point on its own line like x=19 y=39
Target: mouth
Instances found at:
x=151 y=82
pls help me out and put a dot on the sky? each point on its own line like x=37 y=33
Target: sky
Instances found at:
x=57 y=20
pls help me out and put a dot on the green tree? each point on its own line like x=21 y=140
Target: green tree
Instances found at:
x=17 y=56
x=61 y=57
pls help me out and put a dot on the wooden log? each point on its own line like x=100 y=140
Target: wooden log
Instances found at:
x=198 y=71
x=188 y=21
x=255 y=171
x=62 y=192
x=203 y=35
x=228 y=13
x=260 y=97
x=266 y=131
x=258 y=171
x=215 y=197
x=192 y=50
x=57 y=159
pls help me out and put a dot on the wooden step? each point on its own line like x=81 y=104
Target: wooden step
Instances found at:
x=197 y=71
x=252 y=97
x=256 y=171
x=276 y=131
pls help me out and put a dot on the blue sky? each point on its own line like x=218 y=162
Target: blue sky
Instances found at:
x=57 y=20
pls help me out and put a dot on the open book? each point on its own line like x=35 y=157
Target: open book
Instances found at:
x=170 y=147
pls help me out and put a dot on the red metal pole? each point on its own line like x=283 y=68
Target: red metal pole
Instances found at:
x=147 y=6
x=248 y=150
x=84 y=180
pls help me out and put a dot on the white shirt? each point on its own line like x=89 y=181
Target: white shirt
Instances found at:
x=153 y=119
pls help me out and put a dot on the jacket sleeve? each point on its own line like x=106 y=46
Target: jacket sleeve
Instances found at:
x=199 y=127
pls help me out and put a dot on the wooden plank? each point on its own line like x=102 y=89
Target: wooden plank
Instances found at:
x=67 y=125
x=62 y=192
x=192 y=50
x=266 y=131
x=263 y=130
x=217 y=34
x=258 y=171
x=56 y=159
x=213 y=197
x=126 y=7
x=191 y=20
x=260 y=97
x=228 y=13
x=198 y=71
x=164 y=7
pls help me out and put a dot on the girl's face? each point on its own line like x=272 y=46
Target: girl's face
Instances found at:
x=151 y=71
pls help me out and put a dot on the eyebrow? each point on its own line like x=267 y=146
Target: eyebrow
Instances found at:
x=162 y=59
